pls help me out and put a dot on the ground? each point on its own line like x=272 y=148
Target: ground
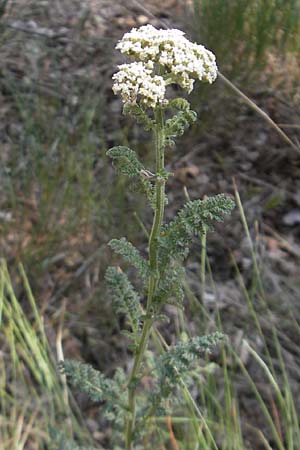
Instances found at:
x=57 y=118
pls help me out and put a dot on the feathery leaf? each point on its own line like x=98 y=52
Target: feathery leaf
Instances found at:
x=125 y=298
x=125 y=161
x=178 y=361
x=170 y=289
x=177 y=125
x=195 y=217
x=99 y=388
x=131 y=255
x=86 y=379
x=140 y=115
x=59 y=441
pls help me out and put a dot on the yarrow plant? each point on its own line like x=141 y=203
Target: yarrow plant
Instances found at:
x=158 y=59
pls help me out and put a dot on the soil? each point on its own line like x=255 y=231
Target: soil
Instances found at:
x=61 y=51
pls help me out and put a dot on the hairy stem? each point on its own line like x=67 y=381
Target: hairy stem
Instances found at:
x=153 y=277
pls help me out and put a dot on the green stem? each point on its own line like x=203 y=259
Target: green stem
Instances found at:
x=153 y=278
x=203 y=265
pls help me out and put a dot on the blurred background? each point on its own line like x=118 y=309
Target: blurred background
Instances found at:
x=61 y=202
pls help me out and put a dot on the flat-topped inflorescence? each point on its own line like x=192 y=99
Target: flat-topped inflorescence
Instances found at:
x=162 y=57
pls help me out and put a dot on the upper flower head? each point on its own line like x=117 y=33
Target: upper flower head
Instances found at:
x=177 y=60
x=181 y=59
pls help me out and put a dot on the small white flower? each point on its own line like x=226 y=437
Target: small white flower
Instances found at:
x=136 y=82
x=178 y=61
x=181 y=59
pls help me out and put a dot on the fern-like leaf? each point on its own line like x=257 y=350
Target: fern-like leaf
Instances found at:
x=125 y=298
x=140 y=115
x=59 y=441
x=170 y=289
x=125 y=161
x=143 y=185
x=192 y=220
x=99 y=388
x=179 y=358
x=86 y=379
x=173 y=367
x=131 y=255
x=177 y=125
x=177 y=363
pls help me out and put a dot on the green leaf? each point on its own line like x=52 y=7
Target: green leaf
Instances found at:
x=140 y=116
x=192 y=220
x=143 y=185
x=86 y=379
x=99 y=388
x=181 y=104
x=179 y=360
x=170 y=290
x=177 y=125
x=125 y=298
x=131 y=255
x=59 y=441
x=181 y=355
x=125 y=161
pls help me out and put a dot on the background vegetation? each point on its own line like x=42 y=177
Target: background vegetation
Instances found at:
x=60 y=204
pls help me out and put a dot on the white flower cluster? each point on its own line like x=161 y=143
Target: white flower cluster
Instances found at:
x=136 y=81
x=179 y=60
